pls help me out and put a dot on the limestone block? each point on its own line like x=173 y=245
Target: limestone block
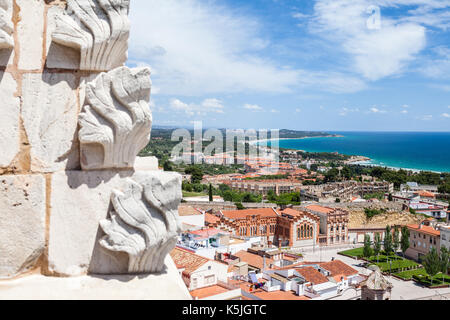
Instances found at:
x=6 y=30
x=30 y=34
x=98 y=29
x=22 y=222
x=116 y=122
x=9 y=120
x=6 y=25
x=164 y=286
x=79 y=201
x=146 y=163
x=144 y=222
x=50 y=115
x=59 y=56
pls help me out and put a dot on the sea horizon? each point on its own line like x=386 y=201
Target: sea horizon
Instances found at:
x=409 y=150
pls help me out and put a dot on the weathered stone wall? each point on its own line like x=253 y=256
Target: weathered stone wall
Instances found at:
x=52 y=55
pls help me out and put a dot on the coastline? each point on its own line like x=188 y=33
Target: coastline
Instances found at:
x=279 y=139
x=355 y=160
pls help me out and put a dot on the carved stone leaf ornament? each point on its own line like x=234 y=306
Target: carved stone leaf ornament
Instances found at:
x=116 y=122
x=6 y=25
x=99 y=29
x=144 y=222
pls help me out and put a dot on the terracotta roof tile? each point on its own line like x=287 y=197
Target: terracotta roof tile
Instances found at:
x=243 y=214
x=253 y=260
x=424 y=229
x=187 y=260
x=337 y=267
x=211 y=219
x=312 y=275
x=208 y=291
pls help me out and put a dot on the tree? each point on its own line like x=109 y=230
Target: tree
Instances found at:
x=444 y=261
x=367 y=251
x=168 y=166
x=195 y=172
x=388 y=241
x=377 y=245
x=432 y=263
x=239 y=206
x=396 y=242
x=211 y=199
x=404 y=242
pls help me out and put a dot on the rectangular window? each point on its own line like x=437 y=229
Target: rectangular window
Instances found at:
x=210 y=279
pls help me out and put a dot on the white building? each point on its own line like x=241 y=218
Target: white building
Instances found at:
x=445 y=237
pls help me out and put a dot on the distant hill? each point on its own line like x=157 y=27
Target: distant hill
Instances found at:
x=166 y=132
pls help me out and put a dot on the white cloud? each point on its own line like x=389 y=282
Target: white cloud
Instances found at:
x=446 y=115
x=200 y=47
x=298 y=110
x=405 y=106
x=191 y=109
x=344 y=111
x=404 y=112
x=253 y=107
x=274 y=111
x=426 y=118
x=376 y=110
x=376 y=53
x=439 y=67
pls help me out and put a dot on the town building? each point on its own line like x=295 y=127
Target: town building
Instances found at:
x=333 y=224
x=303 y=281
x=344 y=191
x=414 y=187
x=197 y=271
x=422 y=238
x=445 y=236
x=297 y=228
x=263 y=188
x=191 y=216
x=357 y=235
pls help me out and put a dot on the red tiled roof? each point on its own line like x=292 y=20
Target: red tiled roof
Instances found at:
x=424 y=229
x=337 y=267
x=211 y=219
x=253 y=260
x=188 y=211
x=243 y=214
x=312 y=275
x=320 y=209
x=187 y=260
x=264 y=295
x=208 y=291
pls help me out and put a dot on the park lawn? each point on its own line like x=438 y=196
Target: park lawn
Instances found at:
x=396 y=264
x=187 y=194
x=408 y=275
x=356 y=253
x=438 y=280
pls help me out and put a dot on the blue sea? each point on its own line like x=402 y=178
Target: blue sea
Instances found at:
x=427 y=151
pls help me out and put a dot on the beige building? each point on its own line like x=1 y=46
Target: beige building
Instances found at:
x=333 y=224
x=422 y=238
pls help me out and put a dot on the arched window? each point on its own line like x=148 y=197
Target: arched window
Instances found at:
x=309 y=232
x=303 y=232
x=298 y=233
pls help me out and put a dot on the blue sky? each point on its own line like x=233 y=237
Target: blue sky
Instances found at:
x=334 y=65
